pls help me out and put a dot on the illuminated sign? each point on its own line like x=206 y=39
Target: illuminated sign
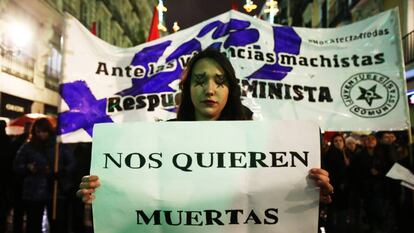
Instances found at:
x=14 y=108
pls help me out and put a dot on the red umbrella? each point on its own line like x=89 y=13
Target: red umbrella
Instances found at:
x=16 y=126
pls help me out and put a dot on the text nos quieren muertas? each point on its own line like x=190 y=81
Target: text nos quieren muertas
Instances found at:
x=189 y=162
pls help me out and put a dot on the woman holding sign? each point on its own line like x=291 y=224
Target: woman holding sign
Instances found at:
x=210 y=91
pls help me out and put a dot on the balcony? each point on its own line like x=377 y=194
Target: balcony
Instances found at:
x=408 y=48
x=19 y=65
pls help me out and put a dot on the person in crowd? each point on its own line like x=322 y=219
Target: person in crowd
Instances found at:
x=363 y=139
x=18 y=205
x=387 y=143
x=352 y=146
x=35 y=163
x=337 y=162
x=370 y=179
x=406 y=207
x=5 y=174
x=353 y=149
x=390 y=153
x=210 y=91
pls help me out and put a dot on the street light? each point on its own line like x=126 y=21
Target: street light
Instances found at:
x=272 y=10
x=175 y=27
x=161 y=9
x=19 y=33
x=16 y=36
x=249 y=6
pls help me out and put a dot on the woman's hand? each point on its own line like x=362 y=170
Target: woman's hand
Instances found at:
x=87 y=188
x=321 y=178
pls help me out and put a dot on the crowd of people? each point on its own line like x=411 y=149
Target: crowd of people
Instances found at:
x=28 y=179
x=365 y=200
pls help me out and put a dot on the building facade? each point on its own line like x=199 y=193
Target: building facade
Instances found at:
x=29 y=73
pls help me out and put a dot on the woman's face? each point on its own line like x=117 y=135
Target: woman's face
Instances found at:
x=41 y=135
x=371 y=142
x=351 y=145
x=209 y=89
x=338 y=142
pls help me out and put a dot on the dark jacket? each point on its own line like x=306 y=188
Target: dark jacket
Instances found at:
x=370 y=184
x=37 y=185
x=334 y=163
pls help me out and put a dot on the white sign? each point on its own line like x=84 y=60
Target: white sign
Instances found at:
x=399 y=172
x=206 y=177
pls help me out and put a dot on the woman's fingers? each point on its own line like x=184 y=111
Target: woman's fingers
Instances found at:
x=89 y=182
x=82 y=192
x=88 y=199
x=326 y=199
x=326 y=187
x=87 y=188
x=90 y=178
x=86 y=195
x=319 y=174
x=325 y=193
x=321 y=178
x=89 y=185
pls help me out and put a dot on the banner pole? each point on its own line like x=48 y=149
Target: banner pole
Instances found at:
x=410 y=157
x=56 y=155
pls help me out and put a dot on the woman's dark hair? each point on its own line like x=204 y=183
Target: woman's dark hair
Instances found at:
x=43 y=124
x=234 y=110
x=335 y=136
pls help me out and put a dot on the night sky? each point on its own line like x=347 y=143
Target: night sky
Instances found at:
x=190 y=12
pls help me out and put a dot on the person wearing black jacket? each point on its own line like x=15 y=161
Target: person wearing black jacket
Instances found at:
x=35 y=164
x=5 y=174
x=337 y=161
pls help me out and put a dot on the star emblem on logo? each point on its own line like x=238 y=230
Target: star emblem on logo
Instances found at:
x=369 y=94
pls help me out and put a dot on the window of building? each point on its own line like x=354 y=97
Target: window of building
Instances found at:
x=15 y=61
x=104 y=23
x=53 y=69
x=50 y=110
x=84 y=14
